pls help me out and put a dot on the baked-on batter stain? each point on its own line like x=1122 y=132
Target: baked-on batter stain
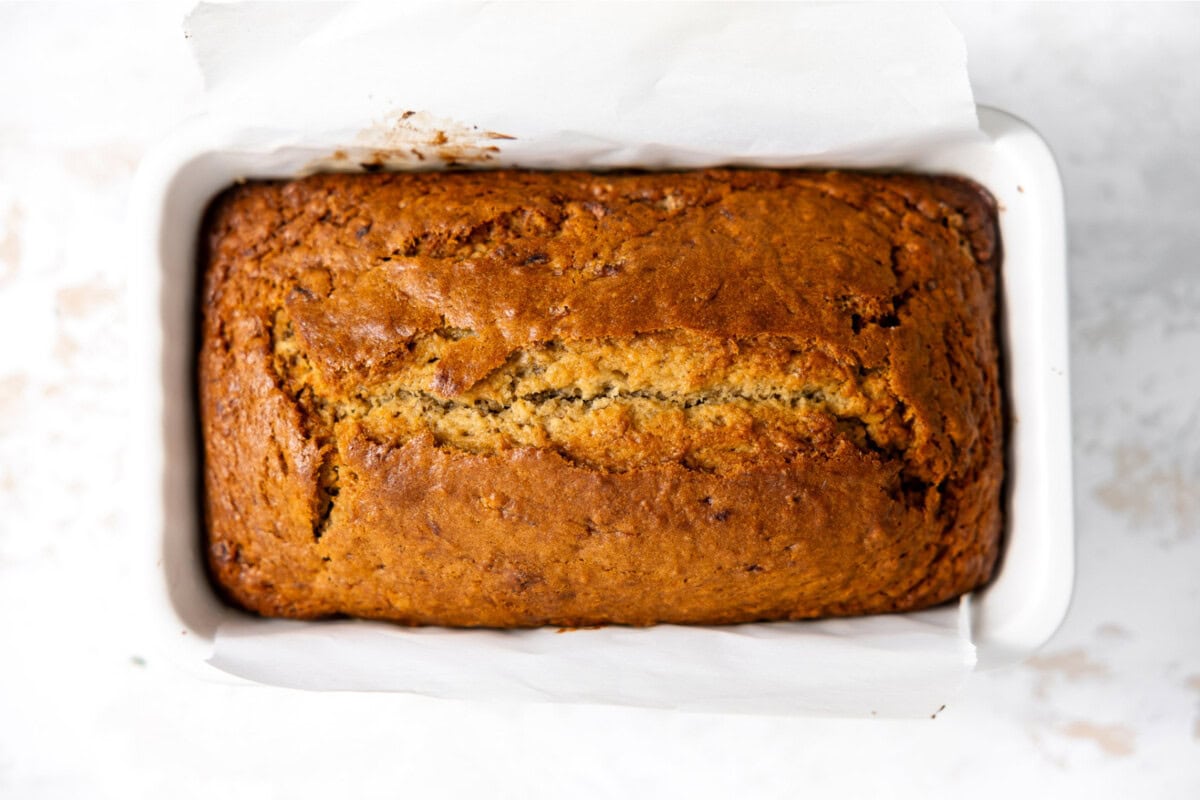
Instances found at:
x=408 y=139
x=519 y=398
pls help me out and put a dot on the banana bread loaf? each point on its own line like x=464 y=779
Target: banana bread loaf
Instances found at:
x=517 y=398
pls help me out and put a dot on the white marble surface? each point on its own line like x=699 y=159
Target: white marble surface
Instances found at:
x=1110 y=708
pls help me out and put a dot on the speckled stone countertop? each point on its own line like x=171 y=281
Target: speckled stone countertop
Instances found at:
x=1109 y=708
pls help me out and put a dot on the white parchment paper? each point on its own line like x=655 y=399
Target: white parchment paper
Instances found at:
x=899 y=665
x=607 y=85
x=586 y=86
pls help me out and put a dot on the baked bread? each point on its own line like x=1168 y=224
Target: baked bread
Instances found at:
x=517 y=398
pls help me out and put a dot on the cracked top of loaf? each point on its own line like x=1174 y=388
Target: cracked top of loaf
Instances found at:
x=525 y=398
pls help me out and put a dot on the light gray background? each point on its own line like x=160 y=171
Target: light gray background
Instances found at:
x=1110 y=708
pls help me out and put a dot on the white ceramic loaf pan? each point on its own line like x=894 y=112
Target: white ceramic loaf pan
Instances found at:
x=1011 y=618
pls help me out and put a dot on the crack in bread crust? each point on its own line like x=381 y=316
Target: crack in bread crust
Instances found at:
x=560 y=395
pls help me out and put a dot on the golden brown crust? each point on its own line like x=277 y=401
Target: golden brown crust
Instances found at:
x=517 y=398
